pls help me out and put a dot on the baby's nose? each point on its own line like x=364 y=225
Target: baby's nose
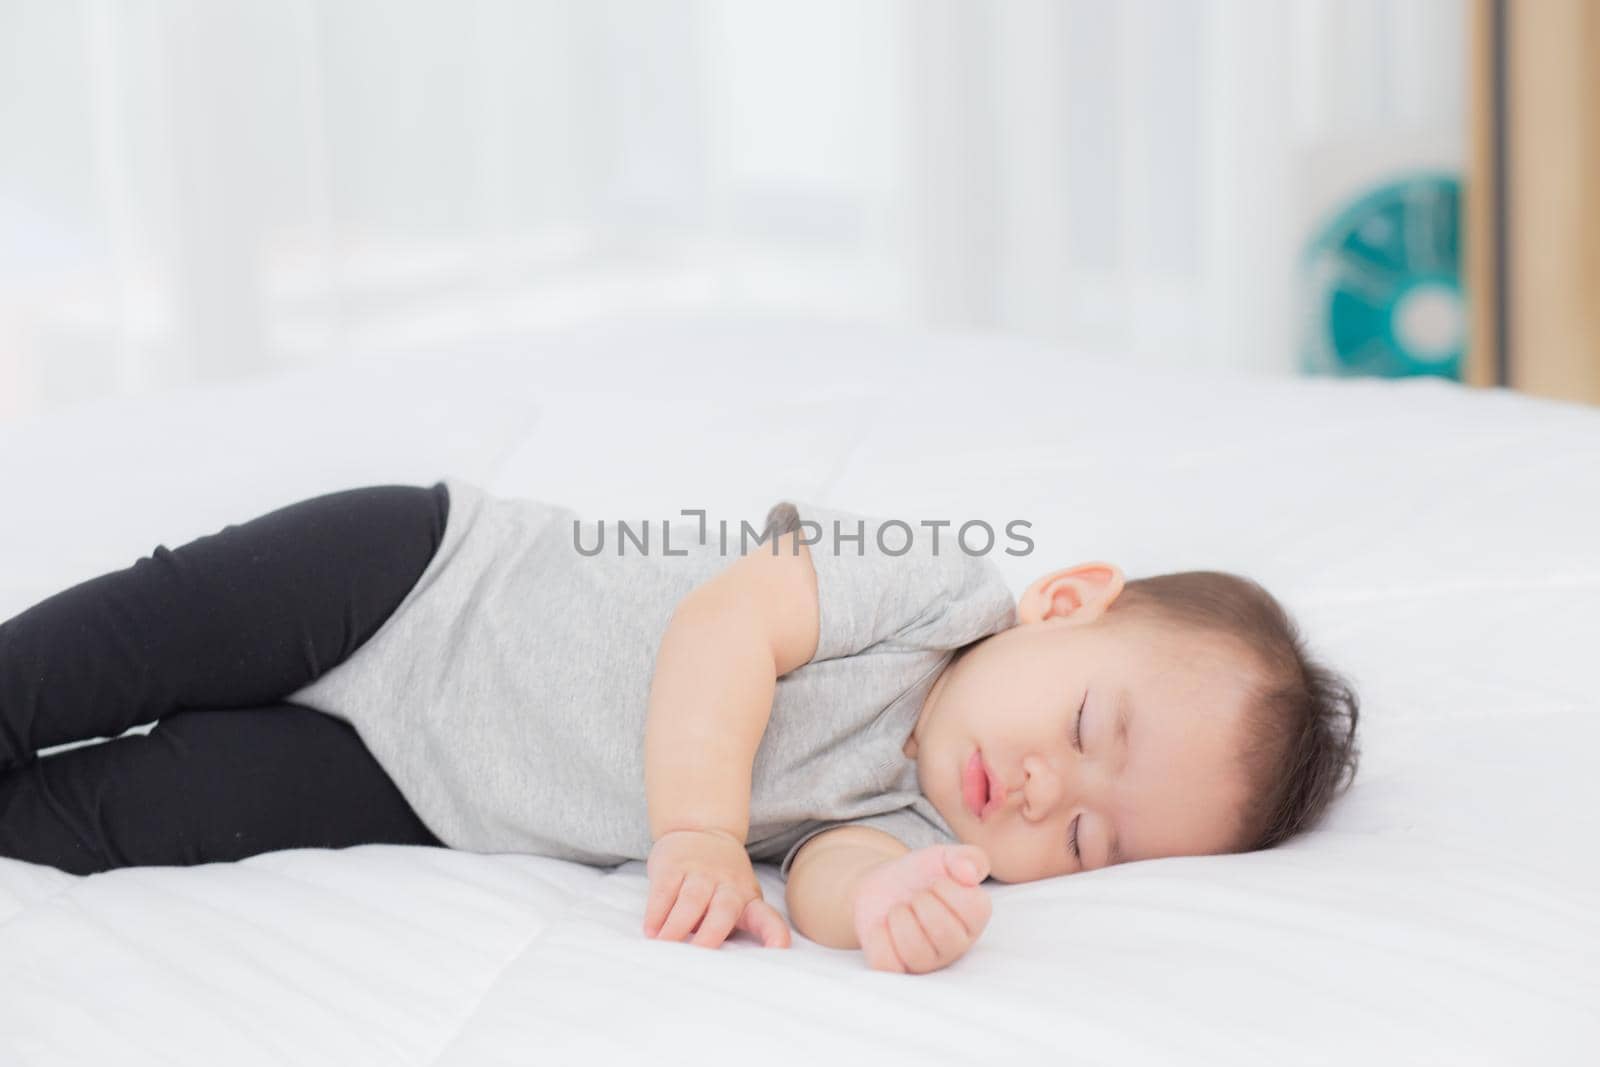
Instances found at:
x=1015 y=798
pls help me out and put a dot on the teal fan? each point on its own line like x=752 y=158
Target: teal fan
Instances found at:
x=1384 y=280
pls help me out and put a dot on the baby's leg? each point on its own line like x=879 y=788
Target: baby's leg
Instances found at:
x=203 y=787
x=236 y=619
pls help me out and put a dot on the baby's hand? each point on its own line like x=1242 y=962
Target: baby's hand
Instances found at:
x=920 y=912
x=690 y=869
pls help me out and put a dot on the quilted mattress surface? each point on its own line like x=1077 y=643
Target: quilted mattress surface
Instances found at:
x=1437 y=544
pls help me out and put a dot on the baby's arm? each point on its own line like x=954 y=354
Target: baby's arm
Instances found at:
x=908 y=910
x=716 y=672
x=820 y=892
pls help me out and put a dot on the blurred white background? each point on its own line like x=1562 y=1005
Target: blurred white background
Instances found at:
x=201 y=190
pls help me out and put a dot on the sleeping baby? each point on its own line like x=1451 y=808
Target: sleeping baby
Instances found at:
x=1094 y=722
x=862 y=702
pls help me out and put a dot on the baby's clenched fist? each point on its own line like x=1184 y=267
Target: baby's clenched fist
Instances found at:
x=922 y=911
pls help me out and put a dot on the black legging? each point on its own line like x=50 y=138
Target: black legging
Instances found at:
x=209 y=638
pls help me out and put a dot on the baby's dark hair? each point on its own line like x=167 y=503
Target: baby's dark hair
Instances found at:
x=1301 y=750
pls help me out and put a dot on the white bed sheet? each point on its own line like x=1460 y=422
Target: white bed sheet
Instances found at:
x=1439 y=545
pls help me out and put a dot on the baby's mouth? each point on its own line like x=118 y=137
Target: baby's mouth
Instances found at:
x=994 y=792
x=975 y=785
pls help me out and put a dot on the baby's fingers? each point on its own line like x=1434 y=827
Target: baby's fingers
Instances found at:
x=764 y=921
x=970 y=905
x=726 y=907
x=910 y=941
x=945 y=931
x=690 y=906
x=662 y=893
x=879 y=951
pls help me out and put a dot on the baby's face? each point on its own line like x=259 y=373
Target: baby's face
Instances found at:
x=1161 y=714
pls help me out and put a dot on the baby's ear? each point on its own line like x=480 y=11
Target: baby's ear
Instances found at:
x=1076 y=594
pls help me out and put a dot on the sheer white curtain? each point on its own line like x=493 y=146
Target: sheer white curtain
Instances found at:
x=208 y=189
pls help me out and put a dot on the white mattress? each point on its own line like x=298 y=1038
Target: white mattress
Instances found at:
x=1439 y=545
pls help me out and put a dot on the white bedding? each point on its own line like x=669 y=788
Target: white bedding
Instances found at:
x=1439 y=545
